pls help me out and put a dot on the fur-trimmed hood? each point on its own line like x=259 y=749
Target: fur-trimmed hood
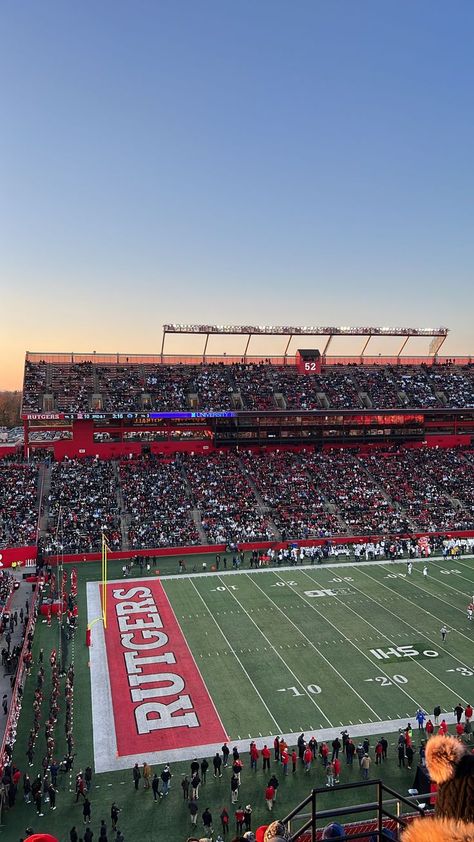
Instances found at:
x=439 y=830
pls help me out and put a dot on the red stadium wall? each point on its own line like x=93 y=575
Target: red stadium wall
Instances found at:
x=448 y=441
x=83 y=444
x=254 y=545
x=18 y=555
x=27 y=555
x=10 y=450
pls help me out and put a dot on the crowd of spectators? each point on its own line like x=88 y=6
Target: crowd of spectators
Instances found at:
x=157 y=503
x=72 y=386
x=18 y=504
x=292 y=492
x=228 y=508
x=353 y=488
x=433 y=486
x=255 y=386
x=82 y=505
x=209 y=386
x=34 y=386
x=229 y=497
x=455 y=383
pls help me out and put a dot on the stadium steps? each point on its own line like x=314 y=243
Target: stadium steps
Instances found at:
x=195 y=512
x=49 y=377
x=44 y=488
x=332 y=508
x=125 y=518
x=196 y=516
x=387 y=496
x=266 y=510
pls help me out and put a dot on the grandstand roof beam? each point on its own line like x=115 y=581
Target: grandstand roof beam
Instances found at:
x=327 y=345
x=403 y=345
x=247 y=346
x=365 y=345
x=435 y=344
x=287 y=346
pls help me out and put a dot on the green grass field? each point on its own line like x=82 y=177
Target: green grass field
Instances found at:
x=281 y=651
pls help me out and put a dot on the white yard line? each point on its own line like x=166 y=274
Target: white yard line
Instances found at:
x=310 y=603
x=303 y=686
x=418 y=607
x=327 y=661
x=387 y=637
x=459 y=576
x=229 y=645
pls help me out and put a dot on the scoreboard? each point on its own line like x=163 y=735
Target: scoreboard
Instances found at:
x=308 y=361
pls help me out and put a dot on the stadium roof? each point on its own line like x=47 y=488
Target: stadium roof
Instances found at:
x=438 y=334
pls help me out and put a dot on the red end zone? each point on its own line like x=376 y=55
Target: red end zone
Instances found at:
x=159 y=698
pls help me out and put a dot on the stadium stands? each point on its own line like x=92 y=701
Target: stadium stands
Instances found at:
x=154 y=494
x=82 y=505
x=82 y=386
x=18 y=506
x=225 y=497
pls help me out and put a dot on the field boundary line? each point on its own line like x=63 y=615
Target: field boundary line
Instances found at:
x=103 y=721
x=181 y=577
x=313 y=645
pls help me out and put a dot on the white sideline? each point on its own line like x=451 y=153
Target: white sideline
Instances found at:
x=274 y=568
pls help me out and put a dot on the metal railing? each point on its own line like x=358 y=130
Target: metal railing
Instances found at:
x=379 y=806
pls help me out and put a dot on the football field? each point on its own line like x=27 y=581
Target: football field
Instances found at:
x=253 y=654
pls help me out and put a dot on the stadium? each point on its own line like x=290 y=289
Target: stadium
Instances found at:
x=225 y=549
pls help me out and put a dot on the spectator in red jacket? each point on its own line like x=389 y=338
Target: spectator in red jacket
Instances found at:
x=429 y=728
x=254 y=755
x=239 y=820
x=307 y=758
x=270 y=796
x=266 y=757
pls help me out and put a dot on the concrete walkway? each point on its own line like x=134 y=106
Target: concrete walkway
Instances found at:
x=18 y=601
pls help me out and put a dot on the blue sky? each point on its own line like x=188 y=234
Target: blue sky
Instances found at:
x=246 y=162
